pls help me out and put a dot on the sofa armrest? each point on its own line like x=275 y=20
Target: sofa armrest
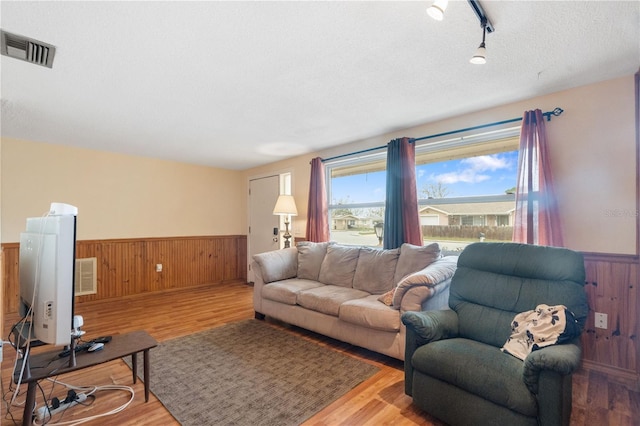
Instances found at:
x=426 y=298
x=424 y=327
x=269 y=267
x=562 y=359
x=414 y=297
x=413 y=290
x=277 y=265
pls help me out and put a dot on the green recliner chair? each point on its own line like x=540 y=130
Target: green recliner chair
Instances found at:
x=455 y=369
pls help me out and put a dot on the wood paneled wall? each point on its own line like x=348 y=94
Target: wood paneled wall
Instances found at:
x=128 y=266
x=612 y=286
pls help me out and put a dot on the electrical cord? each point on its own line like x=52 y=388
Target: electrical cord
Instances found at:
x=8 y=413
x=90 y=391
x=29 y=314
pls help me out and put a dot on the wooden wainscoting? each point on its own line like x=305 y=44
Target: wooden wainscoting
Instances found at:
x=612 y=286
x=128 y=266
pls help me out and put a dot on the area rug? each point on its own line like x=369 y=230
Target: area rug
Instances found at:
x=249 y=373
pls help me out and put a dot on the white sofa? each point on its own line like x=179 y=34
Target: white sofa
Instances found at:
x=351 y=293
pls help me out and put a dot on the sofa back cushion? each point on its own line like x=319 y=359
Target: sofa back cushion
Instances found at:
x=495 y=281
x=339 y=265
x=310 y=257
x=414 y=258
x=375 y=270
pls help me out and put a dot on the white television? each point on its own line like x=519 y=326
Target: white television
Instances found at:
x=46 y=267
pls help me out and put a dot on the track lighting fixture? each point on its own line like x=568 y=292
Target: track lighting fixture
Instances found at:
x=436 y=10
x=480 y=57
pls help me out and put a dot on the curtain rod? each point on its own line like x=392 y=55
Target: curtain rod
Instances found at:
x=556 y=112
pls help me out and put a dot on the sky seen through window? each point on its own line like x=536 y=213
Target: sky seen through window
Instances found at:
x=472 y=176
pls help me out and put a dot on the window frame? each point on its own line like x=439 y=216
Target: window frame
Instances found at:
x=475 y=144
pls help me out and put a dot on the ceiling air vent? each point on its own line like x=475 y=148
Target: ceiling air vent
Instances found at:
x=27 y=49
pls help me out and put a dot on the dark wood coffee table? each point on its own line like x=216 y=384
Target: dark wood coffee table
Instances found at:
x=48 y=364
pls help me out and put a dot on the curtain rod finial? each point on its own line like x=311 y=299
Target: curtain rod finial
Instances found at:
x=556 y=111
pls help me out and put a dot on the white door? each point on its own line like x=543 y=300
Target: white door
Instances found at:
x=263 y=224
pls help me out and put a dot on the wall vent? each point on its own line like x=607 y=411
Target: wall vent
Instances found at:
x=27 y=49
x=86 y=277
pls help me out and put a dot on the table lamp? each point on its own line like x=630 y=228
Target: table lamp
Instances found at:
x=286 y=206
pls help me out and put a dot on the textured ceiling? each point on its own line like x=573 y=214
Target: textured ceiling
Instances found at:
x=239 y=84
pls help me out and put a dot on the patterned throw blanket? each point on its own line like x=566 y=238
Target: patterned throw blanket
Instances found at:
x=543 y=326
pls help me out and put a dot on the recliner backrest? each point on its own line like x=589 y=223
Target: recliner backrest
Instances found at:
x=495 y=281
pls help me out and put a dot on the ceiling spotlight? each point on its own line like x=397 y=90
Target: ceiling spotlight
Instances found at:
x=436 y=10
x=480 y=57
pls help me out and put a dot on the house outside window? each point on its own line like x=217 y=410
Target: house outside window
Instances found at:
x=465 y=190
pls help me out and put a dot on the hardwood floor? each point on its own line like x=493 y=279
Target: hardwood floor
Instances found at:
x=377 y=401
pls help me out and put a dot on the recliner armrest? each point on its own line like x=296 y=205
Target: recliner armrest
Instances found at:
x=562 y=359
x=424 y=327
x=432 y=325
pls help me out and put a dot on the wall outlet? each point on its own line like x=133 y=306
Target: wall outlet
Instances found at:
x=158 y=267
x=601 y=320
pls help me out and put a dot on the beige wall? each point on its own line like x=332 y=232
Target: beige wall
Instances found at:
x=593 y=158
x=592 y=147
x=118 y=196
x=299 y=167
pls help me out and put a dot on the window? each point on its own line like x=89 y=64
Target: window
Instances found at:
x=356 y=191
x=465 y=185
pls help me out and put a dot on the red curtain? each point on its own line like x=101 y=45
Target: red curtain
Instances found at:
x=317 y=210
x=537 y=219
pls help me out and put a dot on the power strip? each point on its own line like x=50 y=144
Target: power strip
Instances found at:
x=44 y=412
x=2 y=343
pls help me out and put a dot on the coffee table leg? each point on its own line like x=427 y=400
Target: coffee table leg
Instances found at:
x=146 y=375
x=134 y=366
x=29 y=404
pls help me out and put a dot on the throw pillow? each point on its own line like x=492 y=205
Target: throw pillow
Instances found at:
x=310 y=257
x=339 y=265
x=414 y=258
x=387 y=298
x=375 y=270
x=543 y=326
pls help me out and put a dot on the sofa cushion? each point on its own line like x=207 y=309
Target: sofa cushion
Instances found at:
x=339 y=265
x=286 y=291
x=369 y=312
x=375 y=270
x=310 y=257
x=328 y=298
x=480 y=369
x=413 y=258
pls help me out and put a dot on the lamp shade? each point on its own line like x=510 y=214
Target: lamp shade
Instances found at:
x=285 y=205
x=480 y=57
x=436 y=10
